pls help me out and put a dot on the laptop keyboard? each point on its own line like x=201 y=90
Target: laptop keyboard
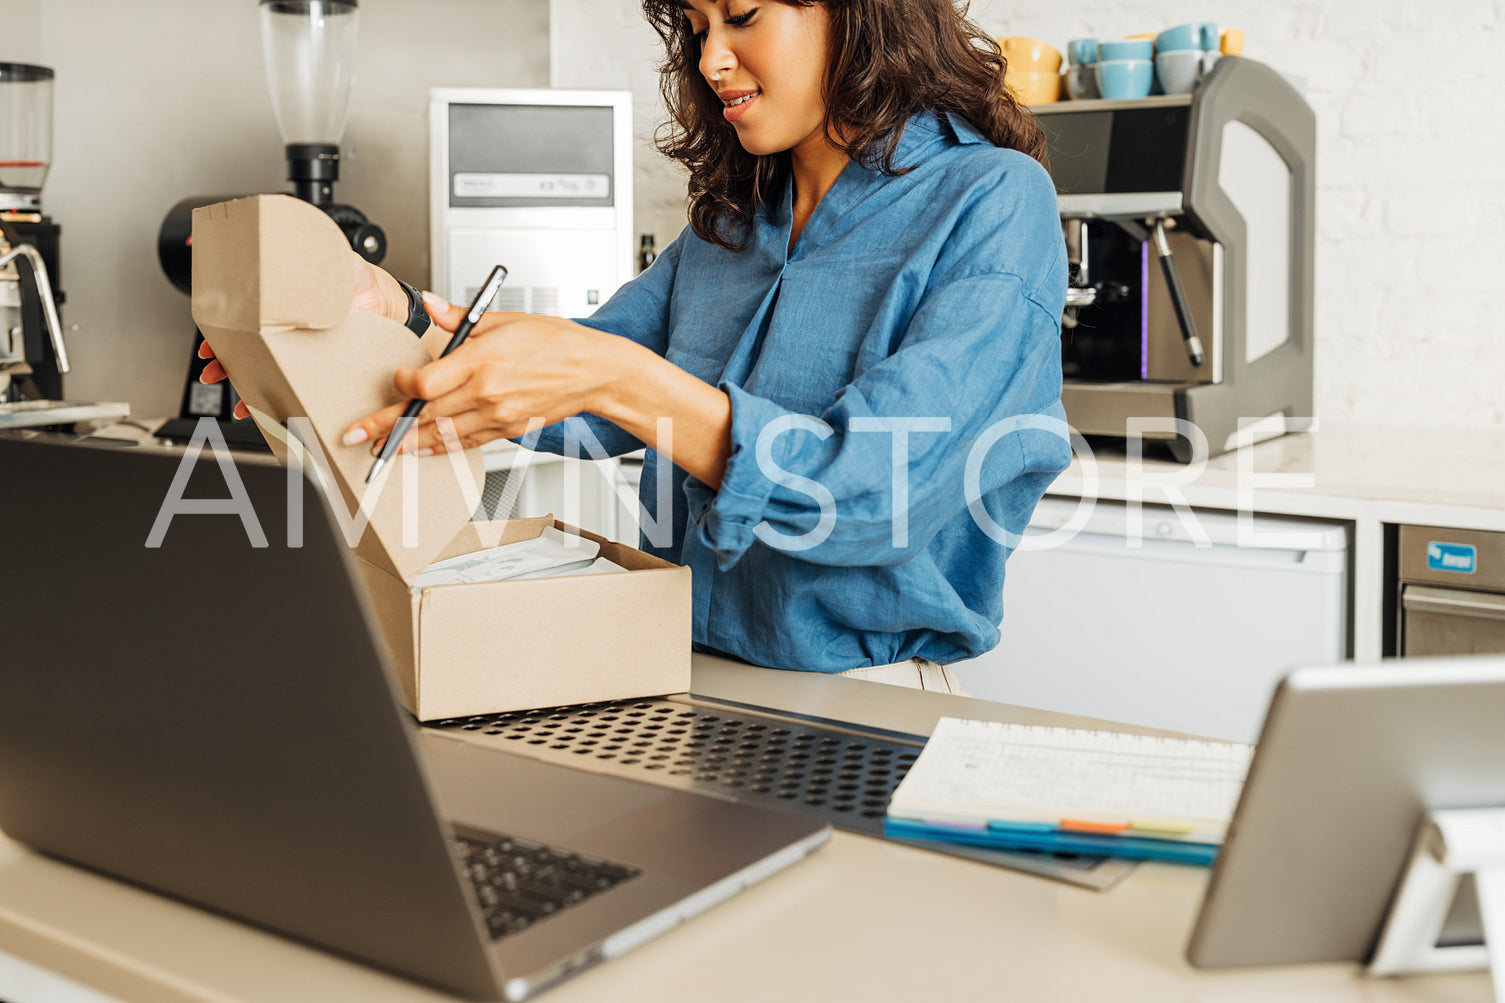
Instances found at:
x=520 y=882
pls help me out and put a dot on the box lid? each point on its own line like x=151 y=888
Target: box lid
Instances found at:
x=272 y=292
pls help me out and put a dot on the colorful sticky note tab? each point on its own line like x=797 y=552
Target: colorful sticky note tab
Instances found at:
x=1160 y=827
x=1102 y=828
x=998 y=826
x=952 y=824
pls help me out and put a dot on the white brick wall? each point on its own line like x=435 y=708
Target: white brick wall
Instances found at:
x=1411 y=209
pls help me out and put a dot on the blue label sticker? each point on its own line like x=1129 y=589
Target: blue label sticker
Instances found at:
x=1458 y=557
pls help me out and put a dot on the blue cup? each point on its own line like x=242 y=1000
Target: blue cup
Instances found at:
x=1129 y=48
x=1125 y=79
x=1201 y=35
x=1081 y=51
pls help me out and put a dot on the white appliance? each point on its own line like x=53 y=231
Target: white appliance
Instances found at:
x=1169 y=634
x=595 y=495
x=539 y=181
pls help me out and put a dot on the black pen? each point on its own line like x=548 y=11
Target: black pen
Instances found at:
x=410 y=416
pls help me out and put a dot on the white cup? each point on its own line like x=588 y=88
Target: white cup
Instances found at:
x=1180 y=70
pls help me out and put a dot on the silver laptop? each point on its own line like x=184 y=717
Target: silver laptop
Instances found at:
x=216 y=721
x=1349 y=759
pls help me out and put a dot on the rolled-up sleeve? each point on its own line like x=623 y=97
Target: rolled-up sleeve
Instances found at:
x=978 y=354
x=638 y=311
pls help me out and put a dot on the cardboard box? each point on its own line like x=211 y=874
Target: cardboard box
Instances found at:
x=272 y=293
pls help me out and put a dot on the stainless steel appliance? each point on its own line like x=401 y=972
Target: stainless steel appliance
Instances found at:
x=1452 y=592
x=1190 y=230
x=33 y=357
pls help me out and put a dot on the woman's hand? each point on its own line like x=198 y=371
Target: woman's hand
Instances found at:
x=514 y=367
x=375 y=292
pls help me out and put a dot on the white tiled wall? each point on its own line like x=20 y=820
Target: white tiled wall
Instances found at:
x=1411 y=201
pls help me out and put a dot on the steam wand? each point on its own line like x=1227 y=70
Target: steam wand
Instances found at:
x=1178 y=294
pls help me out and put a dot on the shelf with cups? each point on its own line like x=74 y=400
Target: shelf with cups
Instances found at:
x=1033 y=70
x=1171 y=63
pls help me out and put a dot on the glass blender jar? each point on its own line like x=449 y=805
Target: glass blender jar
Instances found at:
x=25 y=135
x=309 y=48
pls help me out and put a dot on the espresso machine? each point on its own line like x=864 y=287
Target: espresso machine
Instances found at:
x=1190 y=234
x=33 y=357
x=308 y=47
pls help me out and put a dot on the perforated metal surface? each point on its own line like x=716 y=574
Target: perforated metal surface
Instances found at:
x=844 y=778
x=823 y=768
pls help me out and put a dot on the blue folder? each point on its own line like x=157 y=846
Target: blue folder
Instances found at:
x=1025 y=836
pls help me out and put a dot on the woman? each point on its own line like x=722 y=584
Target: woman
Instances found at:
x=871 y=282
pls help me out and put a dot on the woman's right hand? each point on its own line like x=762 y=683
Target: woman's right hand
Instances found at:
x=375 y=292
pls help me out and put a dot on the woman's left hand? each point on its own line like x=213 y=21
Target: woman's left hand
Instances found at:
x=514 y=367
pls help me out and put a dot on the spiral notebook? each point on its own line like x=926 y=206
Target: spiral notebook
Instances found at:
x=1022 y=786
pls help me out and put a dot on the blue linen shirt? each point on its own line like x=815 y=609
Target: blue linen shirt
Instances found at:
x=935 y=294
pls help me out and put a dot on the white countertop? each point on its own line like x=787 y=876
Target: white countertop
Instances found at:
x=1340 y=471
x=1429 y=477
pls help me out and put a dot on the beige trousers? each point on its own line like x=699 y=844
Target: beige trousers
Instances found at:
x=917 y=674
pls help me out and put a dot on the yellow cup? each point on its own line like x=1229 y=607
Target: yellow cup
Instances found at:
x=1034 y=88
x=1231 y=42
x=1030 y=55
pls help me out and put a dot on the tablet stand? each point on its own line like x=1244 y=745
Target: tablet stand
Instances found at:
x=1449 y=844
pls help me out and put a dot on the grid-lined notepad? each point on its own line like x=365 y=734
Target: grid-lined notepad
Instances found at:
x=983 y=771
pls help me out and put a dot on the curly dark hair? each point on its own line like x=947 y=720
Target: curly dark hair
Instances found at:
x=888 y=59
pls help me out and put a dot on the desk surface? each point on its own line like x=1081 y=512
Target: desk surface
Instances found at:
x=861 y=919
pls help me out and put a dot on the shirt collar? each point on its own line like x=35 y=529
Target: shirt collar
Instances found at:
x=922 y=131
x=926 y=127
x=964 y=131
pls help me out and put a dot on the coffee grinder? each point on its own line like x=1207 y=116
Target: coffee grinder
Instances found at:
x=309 y=50
x=33 y=357
x=1190 y=232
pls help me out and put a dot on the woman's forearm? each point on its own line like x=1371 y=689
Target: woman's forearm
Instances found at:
x=647 y=387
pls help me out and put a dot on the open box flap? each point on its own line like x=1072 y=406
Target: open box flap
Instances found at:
x=269 y=261
x=293 y=349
